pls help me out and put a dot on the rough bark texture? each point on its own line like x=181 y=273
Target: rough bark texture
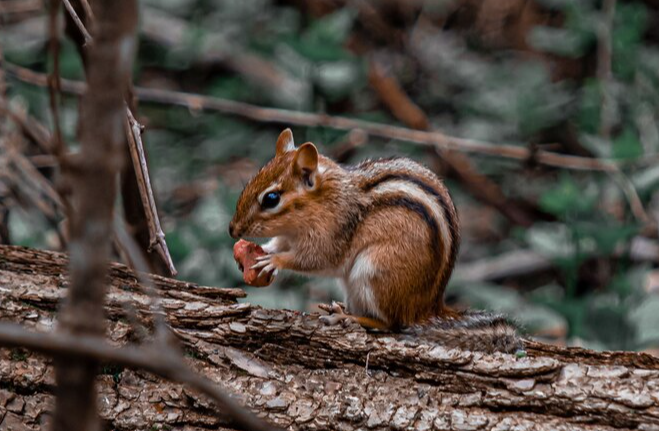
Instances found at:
x=297 y=373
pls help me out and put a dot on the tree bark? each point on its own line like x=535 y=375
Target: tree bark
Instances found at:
x=297 y=373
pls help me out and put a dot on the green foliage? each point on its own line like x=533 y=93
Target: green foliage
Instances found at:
x=324 y=39
x=631 y=22
x=589 y=113
x=568 y=197
x=627 y=145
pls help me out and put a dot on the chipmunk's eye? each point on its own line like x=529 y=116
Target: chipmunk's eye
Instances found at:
x=270 y=200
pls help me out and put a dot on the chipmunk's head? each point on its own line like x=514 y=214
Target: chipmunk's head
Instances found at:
x=276 y=200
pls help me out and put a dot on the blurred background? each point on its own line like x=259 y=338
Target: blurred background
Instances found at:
x=573 y=255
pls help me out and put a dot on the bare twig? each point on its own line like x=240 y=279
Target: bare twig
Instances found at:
x=141 y=268
x=157 y=236
x=515 y=263
x=3 y=81
x=143 y=358
x=43 y=161
x=524 y=262
x=20 y=6
x=604 y=74
x=4 y=192
x=30 y=127
x=342 y=151
x=634 y=200
x=290 y=117
x=33 y=182
x=605 y=77
x=394 y=97
x=78 y=22
x=88 y=10
x=32 y=188
x=54 y=84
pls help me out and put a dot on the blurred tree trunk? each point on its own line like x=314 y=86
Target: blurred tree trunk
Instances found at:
x=300 y=374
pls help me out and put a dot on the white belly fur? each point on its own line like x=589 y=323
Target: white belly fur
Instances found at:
x=356 y=284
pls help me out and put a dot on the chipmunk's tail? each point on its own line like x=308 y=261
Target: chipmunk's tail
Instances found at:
x=472 y=330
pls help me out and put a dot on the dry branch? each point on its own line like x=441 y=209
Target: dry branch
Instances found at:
x=54 y=82
x=604 y=74
x=297 y=373
x=29 y=126
x=148 y=359
x=438 y=140
x=31 y=183
x=93 y=180
x=156 y=235
x=74 y=15
x=20 y=6
x=4 y=191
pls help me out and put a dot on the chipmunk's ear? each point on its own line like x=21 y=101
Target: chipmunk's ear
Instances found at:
x=305 y=163
x=285 y=142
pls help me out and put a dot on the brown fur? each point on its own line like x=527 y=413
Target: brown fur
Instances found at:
x=387 y=228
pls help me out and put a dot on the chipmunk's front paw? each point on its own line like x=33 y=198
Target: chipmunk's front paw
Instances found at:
x=267 y=264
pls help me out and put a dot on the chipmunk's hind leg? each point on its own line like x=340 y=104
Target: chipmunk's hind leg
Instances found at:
x=338 y=315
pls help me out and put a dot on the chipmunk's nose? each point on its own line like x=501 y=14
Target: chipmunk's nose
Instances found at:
x=234 y=231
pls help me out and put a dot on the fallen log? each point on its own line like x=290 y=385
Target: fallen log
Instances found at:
x=295 y=372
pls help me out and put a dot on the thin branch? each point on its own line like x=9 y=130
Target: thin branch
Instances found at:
x=88 y=10
x=290 y=117
x=604 y=75
x=157 y=236
x=394 y=97
x=29 y=178
x=43 y=161
x=29 y=126
x=20 y=6
x=62 y=345
x=432 y=139
x=54 y=80
x=141 y=269
x=634 y=200
x=4 y=192
x=78 y=22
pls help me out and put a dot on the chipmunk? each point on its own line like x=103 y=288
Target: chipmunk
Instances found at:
x=387 y=229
